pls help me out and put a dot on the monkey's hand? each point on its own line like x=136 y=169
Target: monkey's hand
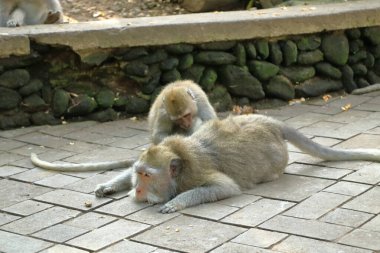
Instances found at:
x=171 y=207
x=102 y=190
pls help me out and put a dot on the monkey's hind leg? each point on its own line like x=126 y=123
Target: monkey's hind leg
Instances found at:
x=53 y=17
x=117 y=184
x=17 y=18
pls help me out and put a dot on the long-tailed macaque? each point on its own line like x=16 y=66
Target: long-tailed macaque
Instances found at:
x=30 y=12
x=181 y=107
x=217 y=161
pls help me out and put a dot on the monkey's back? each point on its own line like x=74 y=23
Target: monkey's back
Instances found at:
x=248 y=148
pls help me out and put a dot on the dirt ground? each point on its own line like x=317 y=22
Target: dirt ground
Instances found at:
x=86 y=10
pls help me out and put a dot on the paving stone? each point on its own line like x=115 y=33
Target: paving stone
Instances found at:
x=57 y=181
x=292 y=188
x=375 y=130
x=6 y=218
x=316 y=171
x=56 y=142
x=97 y=138
x=72 y=199
x=59 y=248
x=12 y=192
x=9 y=158
x=41 y=220
x=362 y=238
x=52 y=155
x=189 y=234
x=339 y=131
x=61 y=130
x=151 y=216
x=257 y=212
x=305 y=119
x=122 y=207
x=239 y=248
x=347 y=188
x=362 y=141
x=353 y=100
x=103 y=154
x=90 y=221
x=12 y=243
x=303 y=158
x=326 y=141
x=19 y=131
x=7 y=170
x=373 y=225
x=133 y=142
x=369 y=107
x=27 y=207
x=107 y=235
x=297 y=244
x=88 y=185
x=365 y=202
x=317 y=205
x=369 y=174
x=212 y=211
x=259 y=238
x=308 y=228
x=118 y=129
x=128 y=246
x=352 y=165
x=8 y=144
x=29 y=148
x=346 y=217
x=349 y=116
x=34 y=175
x=59 y=233
x=239 y=200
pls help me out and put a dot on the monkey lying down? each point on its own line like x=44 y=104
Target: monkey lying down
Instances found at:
x=216 y=162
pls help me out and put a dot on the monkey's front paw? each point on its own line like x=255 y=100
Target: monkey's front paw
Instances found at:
x=102 y=190
x=12 y=23
x=53 y=17
x=170 y=207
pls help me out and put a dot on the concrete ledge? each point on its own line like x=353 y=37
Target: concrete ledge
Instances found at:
x=199 y=28
x=14 y=45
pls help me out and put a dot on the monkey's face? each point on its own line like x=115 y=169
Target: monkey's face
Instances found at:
x=185 y=122
x=152 y=185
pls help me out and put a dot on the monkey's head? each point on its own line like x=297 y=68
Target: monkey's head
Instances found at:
x=154 y=173
x=181 y=106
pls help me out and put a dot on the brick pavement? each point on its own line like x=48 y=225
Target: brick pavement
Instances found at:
x=315 y=207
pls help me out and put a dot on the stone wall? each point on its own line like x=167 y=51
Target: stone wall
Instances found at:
x=54 y=83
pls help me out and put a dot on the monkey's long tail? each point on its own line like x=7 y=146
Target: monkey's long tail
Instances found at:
x=327 y=153
x=80 y=167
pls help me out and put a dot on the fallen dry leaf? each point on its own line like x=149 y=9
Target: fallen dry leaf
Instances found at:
x=327 y=97
x=346 y=107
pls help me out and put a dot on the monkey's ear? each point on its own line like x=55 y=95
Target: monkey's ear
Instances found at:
x=175 y=167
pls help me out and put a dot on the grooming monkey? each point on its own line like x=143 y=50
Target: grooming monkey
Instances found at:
x=217 y=161
x=30 y=12
x=181 y=107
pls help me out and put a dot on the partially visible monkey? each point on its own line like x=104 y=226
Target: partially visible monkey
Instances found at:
x=181 y=107
x=217 y=161
x=30 y=12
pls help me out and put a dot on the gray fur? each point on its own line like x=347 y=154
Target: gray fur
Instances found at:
x=28 y=12
x=224 y=156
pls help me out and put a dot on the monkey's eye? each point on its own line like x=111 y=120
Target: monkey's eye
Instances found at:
x=144 y=174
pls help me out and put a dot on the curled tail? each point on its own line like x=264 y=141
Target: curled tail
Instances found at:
x=80 y=167
x=329 y=154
